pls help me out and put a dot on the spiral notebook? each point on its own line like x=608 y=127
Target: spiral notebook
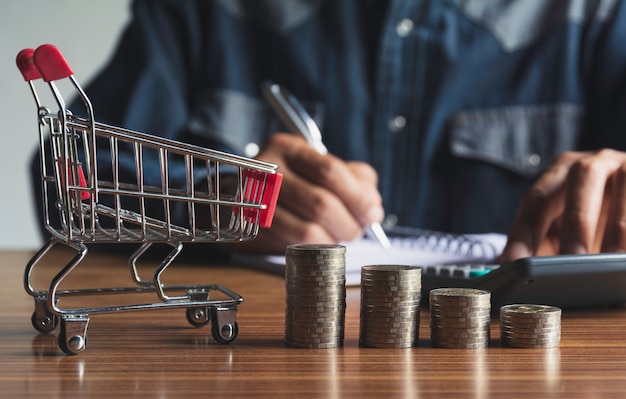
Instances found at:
x=409 y=246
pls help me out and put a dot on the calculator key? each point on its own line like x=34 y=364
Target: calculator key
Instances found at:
x=461 y=271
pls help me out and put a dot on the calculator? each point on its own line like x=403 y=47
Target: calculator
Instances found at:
x=566 y=281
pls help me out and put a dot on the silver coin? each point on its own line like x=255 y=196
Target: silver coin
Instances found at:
x=406 y=280
x=389 y=327
x=392 y=323
x=302 y=312
x=376 y=318
x=313 y=346
x=530 y=311
x=305 y=342
x=531 y=338
x=391 y=269
x=391 y=294
x=311 y=337
x=530 y=334
x=386 y=293
x=459 y=345
x=316 y=247
x=321 y=296
x=530 y=329
x=401 y=280
x=452 y=343
x=458 y=322
x=315 y=287
x=526 y=344
x=302 y=269
x=315 y=321
x=458 y=311
x=530 y=321
x=387 y=343
x=390 y=311
x=459 y=333
x=315 y=274
x=387 y=346
x=459 y=292
x=531 y=346
x=313 y=257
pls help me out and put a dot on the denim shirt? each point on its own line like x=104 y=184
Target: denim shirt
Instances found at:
x=458 y=104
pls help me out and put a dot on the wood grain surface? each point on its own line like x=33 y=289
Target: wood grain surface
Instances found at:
x=159 y=354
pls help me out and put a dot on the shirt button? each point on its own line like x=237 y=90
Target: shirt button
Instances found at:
x=534 y=159
x=404 y=27
x=396 y=123
x=251 y=150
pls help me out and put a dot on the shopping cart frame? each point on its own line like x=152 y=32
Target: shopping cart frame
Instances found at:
x=71 y=186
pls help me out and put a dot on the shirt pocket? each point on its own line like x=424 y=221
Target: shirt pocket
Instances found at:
x=521 y=139
x=518 y=23
x=277 y=16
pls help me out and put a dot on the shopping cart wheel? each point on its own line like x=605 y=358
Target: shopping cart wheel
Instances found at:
x=73 y=334
x=198 y=317
x=44 y=323
x=224 y=328
x=226 y=333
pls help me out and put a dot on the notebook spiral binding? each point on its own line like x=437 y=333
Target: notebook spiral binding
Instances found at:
x=458 y=244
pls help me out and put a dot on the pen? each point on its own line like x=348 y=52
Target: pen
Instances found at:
x=298 y=120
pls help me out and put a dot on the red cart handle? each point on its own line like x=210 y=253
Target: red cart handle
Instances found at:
x=46 y=62
x=51 y=63
x=24 y=61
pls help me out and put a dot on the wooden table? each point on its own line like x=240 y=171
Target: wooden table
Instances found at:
x=159 y=354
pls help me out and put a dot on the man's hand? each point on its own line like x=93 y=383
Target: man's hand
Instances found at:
x=577 y=206
x=322 y=199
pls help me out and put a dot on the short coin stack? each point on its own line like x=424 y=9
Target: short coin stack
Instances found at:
x=530 y=326
x=315 y=279
x=460 y=318
x=390 y=302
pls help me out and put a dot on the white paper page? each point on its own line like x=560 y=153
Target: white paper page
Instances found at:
x=423 y=250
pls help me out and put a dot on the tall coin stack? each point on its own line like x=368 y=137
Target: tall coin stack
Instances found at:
x=530 y=326
x=315 y=279
x=390 y=302
x=460 y=318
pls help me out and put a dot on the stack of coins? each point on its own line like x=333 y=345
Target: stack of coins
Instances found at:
x=315 y=279
x=460 y=318
x=530 y=326
x=390 y=301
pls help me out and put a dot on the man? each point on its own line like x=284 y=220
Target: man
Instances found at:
x=447 y=113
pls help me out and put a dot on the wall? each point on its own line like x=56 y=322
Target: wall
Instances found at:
x=85 y=31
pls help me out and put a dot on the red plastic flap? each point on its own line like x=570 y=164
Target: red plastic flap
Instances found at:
x=270 y=198
x=260 y=188
x=82 y=182
x=51 y=63
x=24 y=61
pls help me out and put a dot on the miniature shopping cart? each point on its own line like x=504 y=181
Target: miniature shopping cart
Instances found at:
x=222 y=198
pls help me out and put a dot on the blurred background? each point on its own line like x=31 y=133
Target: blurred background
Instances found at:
x=86 y=31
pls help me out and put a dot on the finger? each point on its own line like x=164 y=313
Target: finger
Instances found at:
x=303 y=196
x=363 y=172
x=540 y=208
x=313 y=203
x=615 y=232
x=601 y=227
x=371 y=205
x=585 y=187
x=358 y=191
